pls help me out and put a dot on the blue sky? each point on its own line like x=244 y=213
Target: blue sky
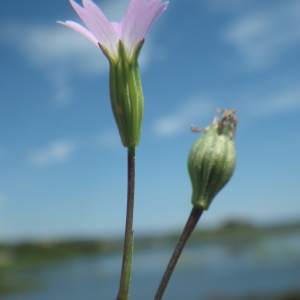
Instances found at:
x=62 y=165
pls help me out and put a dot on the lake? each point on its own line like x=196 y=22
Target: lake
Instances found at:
x=205 y=271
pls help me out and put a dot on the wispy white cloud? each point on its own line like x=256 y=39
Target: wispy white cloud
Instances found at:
x=61 y=150
x=189 y=112
x=57 y=151
x=262 y=36
x=57 y=51
x=63 y=92
x=282 y=102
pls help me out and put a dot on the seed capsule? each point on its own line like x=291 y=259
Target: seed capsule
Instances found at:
x=211 y=161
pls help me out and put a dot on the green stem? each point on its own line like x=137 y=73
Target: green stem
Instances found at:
x=123 y=293
x=188 y=229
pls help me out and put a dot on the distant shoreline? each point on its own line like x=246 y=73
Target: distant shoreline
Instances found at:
x=21 y=256
x=30 y=253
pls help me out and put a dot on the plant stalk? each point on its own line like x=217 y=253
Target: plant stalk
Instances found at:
x=188 y=229
x=123 y=293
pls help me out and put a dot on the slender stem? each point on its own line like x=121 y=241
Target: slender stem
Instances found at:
x=188 y=229
x=123 y=293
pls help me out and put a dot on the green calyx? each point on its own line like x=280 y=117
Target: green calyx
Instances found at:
x=126 y=94
x=212 y=159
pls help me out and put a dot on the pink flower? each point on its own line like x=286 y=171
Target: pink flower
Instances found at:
x=139 y=17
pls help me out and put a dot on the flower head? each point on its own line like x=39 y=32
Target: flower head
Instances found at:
x=121 y=44
x=139 y=17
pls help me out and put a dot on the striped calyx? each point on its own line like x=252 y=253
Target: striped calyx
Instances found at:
x=126 y=95
x=211 y=161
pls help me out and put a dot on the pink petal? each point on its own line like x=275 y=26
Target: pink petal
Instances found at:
x=118 y=28
x=160 y=10
x=98 y=25
x=77 y=27
x=139 y=16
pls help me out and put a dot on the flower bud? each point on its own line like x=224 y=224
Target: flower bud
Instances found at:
x=126 y=94
x=212 y=159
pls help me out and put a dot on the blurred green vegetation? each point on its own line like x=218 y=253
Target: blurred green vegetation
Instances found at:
x=35 y=254
x=235 y=232
x=27 y=255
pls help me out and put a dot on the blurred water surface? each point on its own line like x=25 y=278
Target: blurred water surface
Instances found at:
x=220 y=270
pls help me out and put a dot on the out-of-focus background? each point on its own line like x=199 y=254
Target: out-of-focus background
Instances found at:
x=63 y=168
